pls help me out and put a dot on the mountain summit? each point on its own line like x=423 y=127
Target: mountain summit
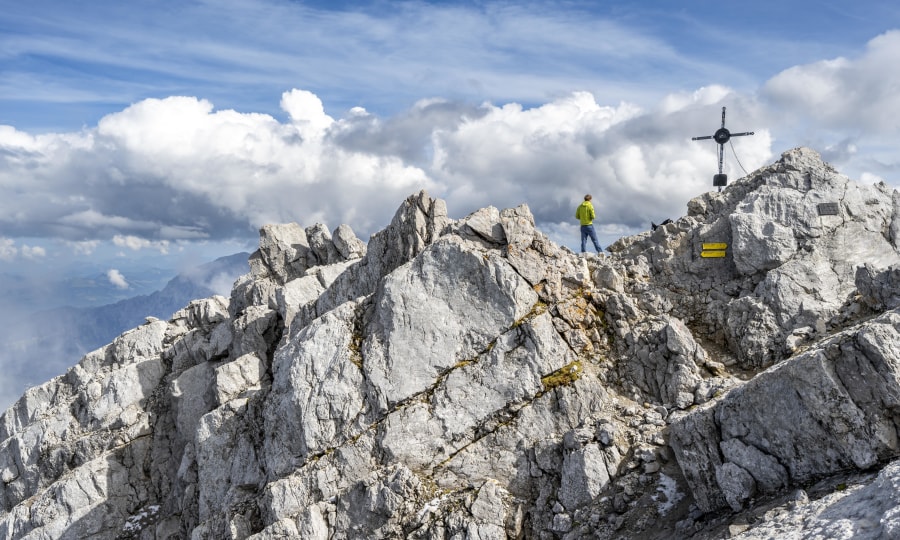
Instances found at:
x=735 y=372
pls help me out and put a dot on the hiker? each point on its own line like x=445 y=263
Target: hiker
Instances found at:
x=585 y=215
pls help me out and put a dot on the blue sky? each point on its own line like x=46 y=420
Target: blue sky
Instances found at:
x=67 y=64
x=177 y=128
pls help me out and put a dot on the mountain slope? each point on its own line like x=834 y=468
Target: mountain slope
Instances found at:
x=471 y=379
x=45 y=344
x=86 y=329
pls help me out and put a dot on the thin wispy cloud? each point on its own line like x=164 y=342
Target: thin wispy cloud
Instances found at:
x=382 y=59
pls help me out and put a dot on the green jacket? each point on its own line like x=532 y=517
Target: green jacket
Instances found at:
x=585 y=213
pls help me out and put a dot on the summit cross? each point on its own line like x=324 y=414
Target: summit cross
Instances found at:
x=721 y=136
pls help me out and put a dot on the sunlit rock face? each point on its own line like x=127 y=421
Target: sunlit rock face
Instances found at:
x=471 y=379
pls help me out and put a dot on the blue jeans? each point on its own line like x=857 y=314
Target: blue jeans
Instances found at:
x=588 y=231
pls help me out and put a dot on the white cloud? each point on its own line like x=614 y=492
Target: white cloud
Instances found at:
x=220 y=284
x=861 y=94
x=92 y=219
x=117 y=279
x=641 y=166
x=8 y=249
x=83 y=248
x=176 y=170
x=869 y=178
x=708 y=95
x=135 y=243
x=33 y=252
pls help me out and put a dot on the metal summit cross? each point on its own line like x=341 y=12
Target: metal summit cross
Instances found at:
x=721 y=136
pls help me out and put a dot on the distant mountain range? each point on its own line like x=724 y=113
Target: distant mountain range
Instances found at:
x=44 y=344
x=81 y=287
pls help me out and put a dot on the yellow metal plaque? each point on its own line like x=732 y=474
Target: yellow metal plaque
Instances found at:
x=715 y=245
x=712 y=253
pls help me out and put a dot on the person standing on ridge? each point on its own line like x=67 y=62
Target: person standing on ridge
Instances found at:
x=585 y=215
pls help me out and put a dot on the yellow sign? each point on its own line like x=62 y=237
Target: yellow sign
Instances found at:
x=714 y=245
x=713 y=254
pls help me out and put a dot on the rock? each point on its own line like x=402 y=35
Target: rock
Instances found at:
x=295 y=295
x=584 y=475
x=818 y=413
x=377 y=506
x=283 y=252
x=760 y=244
x=736 y=483
x=878 y=289
x=606 y=433
x=321 y=248
x=489 y=506
x=666 y=361
x=527 y=262
x=422 y=327
x=768 y=475
x=317 y=391
x=485 y=223
x=867 y=510
x=518 y=226
x=236 y=378
x=606 y=277
x=472 y=379
x=418 y=222
x=348 y=245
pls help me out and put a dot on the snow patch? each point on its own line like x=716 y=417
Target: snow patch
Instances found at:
x=667 y=495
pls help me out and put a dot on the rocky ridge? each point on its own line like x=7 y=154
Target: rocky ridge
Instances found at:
x=471 y=379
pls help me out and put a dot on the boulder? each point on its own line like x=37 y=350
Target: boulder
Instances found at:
x=826 y=410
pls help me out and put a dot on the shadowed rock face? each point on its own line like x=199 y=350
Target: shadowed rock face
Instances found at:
x=470 y=379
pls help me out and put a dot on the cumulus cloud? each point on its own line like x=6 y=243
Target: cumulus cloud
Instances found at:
x=859 y=94
x=117 y=279
x=846 y=107
x=176 y=169
x=9 y=251
x=641 y=166
x=165 y=172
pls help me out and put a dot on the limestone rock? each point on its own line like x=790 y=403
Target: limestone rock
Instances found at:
x=283 y=252
x=821 y=412
x=879 y=290
x=419 y=221
x=472 y=379
x=422 y=327
x=863 y=511
x=485 y=223
x=322 y=250
x=347 y=244
x=584 y=475
x=665 y=362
